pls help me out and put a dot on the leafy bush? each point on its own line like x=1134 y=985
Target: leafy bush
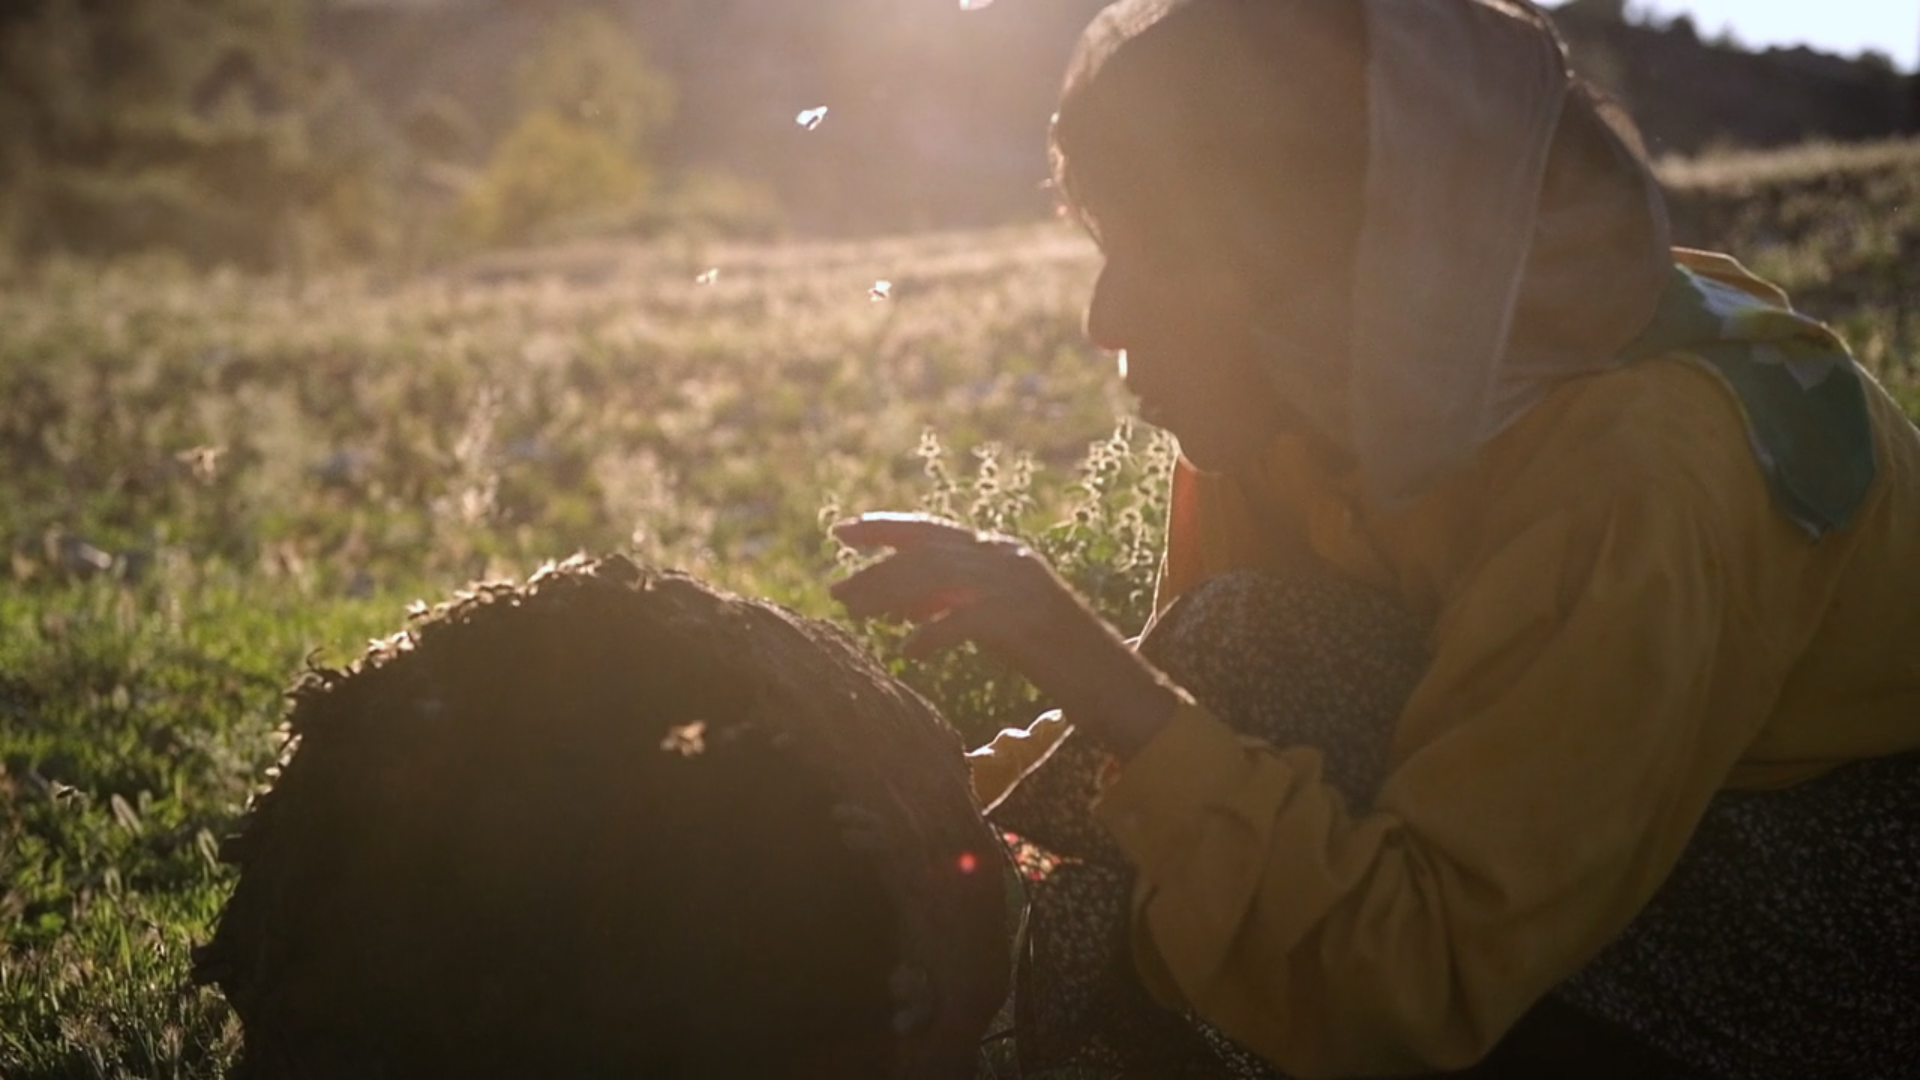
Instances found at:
x=202 y=129
x=711 y=203
x=88 y=212
x=547 y=170
x=591 y=70
x=576 y=160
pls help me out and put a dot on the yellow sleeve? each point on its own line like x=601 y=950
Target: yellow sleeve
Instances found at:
x=1592 y=685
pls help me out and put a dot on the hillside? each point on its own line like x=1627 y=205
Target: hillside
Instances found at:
x=938 y=115
x=1837 y=225
x=1690 y=95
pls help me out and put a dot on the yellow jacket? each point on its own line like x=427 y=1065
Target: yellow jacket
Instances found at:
x=1623 y=625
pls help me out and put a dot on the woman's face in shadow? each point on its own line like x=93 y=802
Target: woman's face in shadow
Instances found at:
x=1181 y=323
x=1202 y=289
x=1217 y=158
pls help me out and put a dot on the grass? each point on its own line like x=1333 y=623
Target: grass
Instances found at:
x=137 y=720
x=212 y=480
x=1838 y=226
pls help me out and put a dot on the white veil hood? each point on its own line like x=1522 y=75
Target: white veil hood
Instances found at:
x=1496 y=258
x=1510 y=236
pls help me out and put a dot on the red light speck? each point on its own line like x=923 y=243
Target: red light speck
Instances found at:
x=967 y=862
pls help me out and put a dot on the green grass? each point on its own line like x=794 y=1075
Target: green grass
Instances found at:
x=206 y=478
x=209 y=477
x=137 y=720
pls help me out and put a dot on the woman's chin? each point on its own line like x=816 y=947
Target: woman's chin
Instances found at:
x=1213 y=455
x=1228 y=444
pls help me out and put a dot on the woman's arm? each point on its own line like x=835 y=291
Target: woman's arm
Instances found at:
x=961 y=585
x=1594 y=680
x=1593 y=683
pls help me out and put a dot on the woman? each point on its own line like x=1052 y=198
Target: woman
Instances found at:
x=1628 y=547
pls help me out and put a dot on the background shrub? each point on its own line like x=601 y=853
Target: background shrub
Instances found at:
x=546 y=170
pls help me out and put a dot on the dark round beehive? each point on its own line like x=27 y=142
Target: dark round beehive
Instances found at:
x=586 y=827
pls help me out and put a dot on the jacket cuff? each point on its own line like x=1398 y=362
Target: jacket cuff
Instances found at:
x=1156 y=804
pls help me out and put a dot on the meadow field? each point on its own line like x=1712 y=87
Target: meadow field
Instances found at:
x=211 y=481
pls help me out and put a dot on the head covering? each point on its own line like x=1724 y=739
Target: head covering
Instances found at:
x=1509 y=235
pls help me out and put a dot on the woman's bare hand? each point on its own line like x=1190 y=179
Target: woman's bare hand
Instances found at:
x=961 y=585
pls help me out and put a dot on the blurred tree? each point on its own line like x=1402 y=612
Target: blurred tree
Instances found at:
x=591 y=70
x=439 y=128
x=549 y=168
x=197 y=125
x=1611 y=11
x=710 y=202
x=590 y=107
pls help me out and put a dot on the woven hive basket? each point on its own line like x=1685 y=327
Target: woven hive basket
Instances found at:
x=592 y=826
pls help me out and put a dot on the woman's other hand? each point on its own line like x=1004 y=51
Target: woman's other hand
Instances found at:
x=961 y=585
